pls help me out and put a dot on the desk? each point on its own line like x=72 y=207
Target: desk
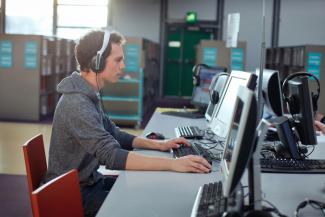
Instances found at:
x=168 y=194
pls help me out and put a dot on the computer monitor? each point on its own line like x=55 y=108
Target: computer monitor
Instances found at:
x=272 y=93
x=216 y=88
x=221 y=122
x=302 y=114
x=201 y=95
x=240 y=142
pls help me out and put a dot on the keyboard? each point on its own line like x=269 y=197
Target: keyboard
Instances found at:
x=189 y=132
x=195 y=149
x=193 y=115
x=209 y=201
x=292 y=166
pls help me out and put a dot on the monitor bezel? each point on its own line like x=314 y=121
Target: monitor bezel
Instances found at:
x=245 y=138
x=304 y=120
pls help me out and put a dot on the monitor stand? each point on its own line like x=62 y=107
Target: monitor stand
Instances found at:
x=254 y=168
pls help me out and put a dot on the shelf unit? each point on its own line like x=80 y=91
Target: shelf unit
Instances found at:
x=126 y=101
x=29 y=72
x=215 y=53
x=302 y=58
x=123 y=100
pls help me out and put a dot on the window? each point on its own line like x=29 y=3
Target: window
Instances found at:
x=75 y=17
x=29 y=17
x=1 y=18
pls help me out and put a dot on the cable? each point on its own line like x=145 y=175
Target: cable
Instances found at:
x=100 y=97
x=313 y=203
x=308 y=154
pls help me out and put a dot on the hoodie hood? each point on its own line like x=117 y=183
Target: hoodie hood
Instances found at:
x=76 y=84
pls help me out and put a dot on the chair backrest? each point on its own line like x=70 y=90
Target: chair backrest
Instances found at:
x=59 y=197
x=35 y=161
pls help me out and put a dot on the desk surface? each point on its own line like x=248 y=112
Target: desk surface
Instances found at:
x=142 y=194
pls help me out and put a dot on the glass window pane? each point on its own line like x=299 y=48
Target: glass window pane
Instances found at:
x=71 y=33
x=98 y=16
x=83 y=2
x=29 y=17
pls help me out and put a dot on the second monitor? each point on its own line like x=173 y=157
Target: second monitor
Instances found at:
x=221 y=122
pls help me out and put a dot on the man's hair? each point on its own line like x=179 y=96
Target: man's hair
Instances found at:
x=87 y=47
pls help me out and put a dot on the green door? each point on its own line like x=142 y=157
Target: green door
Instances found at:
x=180 y=59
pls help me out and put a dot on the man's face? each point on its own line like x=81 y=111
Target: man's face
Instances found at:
x=114 y=64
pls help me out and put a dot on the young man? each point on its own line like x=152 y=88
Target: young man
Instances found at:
x=83 y=137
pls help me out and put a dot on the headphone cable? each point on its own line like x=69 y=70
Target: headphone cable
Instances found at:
x=100 y=95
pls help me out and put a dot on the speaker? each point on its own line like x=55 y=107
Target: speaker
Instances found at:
x=271 y=91
x=288 y=148
x=97 y=64
x=292 y=100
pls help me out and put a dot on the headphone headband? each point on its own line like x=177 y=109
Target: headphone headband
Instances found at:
x=299 y=74
x=291 y=100
x=102 y=49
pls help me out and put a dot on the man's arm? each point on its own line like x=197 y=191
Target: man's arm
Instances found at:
x=188 y=163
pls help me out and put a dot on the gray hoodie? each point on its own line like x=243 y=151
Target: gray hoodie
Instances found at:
x=83 y=137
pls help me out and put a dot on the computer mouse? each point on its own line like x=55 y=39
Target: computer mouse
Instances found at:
x=155 y=135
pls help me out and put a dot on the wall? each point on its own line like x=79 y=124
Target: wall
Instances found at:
x=302 y=22
x=206 y=9
x=138 y=18
x=141 y=18
x=250 y=27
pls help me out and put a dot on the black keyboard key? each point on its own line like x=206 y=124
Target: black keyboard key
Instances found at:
x=292 y=166
x=211 y=202
x=189 y=132
x=195 y=149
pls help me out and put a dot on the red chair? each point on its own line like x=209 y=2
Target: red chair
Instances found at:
x=35 y=161
x=59 y=197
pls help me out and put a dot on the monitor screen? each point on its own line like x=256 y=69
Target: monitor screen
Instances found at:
x=240 y=142
x=201 y=94
x=221 y=121
x=233 y=132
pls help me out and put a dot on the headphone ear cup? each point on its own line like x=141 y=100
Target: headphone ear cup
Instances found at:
x=94 y=63
x=214 y=97
x=196 y=80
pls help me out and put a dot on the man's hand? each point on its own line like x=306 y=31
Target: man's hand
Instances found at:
x=320 y=126
x=191 y=163
x=172 y=143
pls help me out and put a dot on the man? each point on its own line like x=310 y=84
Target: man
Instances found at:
x=83 y=137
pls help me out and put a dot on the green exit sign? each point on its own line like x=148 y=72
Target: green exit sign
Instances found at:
x=191 y=17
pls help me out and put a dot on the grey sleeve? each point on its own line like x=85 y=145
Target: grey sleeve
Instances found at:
x=124 y=138
x=88 y=130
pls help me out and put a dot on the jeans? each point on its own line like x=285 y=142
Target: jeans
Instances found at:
x=93 y=196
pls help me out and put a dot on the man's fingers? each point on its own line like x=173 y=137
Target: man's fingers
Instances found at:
x=202 y=161
x=200 y=167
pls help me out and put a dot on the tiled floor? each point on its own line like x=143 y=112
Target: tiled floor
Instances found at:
x=14 y=135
